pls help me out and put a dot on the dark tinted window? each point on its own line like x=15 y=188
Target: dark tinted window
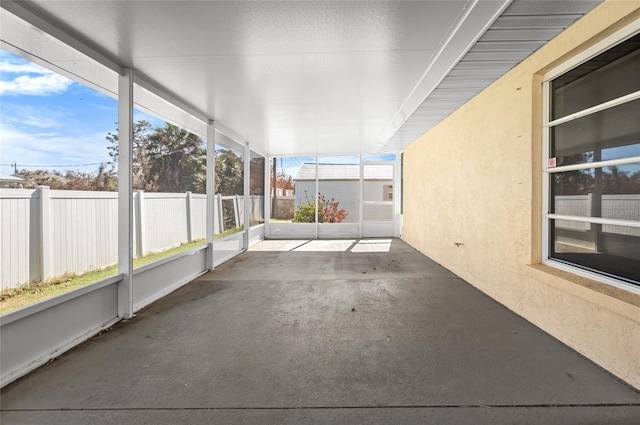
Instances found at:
x=608 y=76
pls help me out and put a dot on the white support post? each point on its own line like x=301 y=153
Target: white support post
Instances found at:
x=247 y=195
x=125 y=193
x=211 y=193
x=188 y=199
x=236 y=211
x=267 y=196
x=317 y=196
x=220 y=214
x=361 y=185
x=46 y=252
x=140 y=224
x=397 y=196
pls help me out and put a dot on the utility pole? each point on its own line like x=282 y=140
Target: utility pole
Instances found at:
x=15 y=168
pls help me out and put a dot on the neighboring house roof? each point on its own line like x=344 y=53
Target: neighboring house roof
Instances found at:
x=345 y=172
x=6 y=178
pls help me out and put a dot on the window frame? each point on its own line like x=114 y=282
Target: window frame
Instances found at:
x=387 y=192
x=605 y=44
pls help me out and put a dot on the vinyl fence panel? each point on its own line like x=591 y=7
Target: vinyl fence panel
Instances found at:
x=165 y=221
x=84 y=231
x=15 y=227
x=47 y=233
x=198 y=216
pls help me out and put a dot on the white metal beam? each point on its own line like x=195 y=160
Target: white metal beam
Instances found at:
x=247 y=195
x=211 y=192
x=125 y=194
x=42 y=24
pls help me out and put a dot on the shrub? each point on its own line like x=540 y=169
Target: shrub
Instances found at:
x=329 y=211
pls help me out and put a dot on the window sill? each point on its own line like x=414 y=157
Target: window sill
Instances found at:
x=629 y=296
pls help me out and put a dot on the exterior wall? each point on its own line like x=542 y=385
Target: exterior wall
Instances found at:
x=347 y=193
x=472 y=202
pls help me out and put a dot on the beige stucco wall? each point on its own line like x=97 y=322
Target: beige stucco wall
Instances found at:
x=472 y=202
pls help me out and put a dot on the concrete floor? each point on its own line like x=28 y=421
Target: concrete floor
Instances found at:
x=327 y=337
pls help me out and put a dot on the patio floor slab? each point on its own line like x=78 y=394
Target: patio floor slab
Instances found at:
x=281 y=337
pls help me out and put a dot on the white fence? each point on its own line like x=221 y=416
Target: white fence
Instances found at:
x=624 y=207
x=47 y=233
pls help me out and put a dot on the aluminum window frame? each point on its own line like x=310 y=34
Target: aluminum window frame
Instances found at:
x=602 y=46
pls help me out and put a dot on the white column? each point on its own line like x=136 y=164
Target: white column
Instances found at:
x=317 y=195
x=211 y=192
x=397 y=196
x=247 y=195
x=188 y=199
x=267 y=195
x=361 y=190
x=125 y=193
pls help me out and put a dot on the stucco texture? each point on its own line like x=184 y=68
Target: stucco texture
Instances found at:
x=472 y=202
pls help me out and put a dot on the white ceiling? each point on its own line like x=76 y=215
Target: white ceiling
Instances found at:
x=296 y=77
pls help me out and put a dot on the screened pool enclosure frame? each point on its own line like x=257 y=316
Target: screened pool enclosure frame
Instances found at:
x=53 y=323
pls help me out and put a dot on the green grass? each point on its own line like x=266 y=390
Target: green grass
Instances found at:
x=229 y=232
x=14 y=298
x=150 y=258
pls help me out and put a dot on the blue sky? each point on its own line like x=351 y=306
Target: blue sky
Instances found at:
x=47 y=119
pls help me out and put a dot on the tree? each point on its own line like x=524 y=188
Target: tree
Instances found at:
x=165 y=159
x=284 y=181
x=176 y=161
x=617 y=182
x=142 y=130
x=229 y=173
x=229 y=182
x=102 y=180
x=105 y=180
x=256 y=176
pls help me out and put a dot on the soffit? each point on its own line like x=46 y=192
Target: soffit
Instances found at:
x=523 y=27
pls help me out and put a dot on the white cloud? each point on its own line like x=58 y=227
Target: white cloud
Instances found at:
x=22 y=68
x=42 y=85
x=44 y=148
x=30 y=116
x=32 y=79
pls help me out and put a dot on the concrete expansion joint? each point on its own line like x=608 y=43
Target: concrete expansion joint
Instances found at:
x=357 y=407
